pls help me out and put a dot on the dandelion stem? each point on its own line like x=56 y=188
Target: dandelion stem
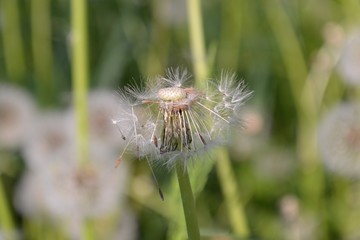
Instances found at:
x=197 y=41
x=80 y=76
x=188 y=201
x=88 y=229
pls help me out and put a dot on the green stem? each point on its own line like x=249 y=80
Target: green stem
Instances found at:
x=230 y=33
x=88 y=229
x=155 y=58
x=6 y=221
x=188 y=201
x=200 y=69
x=235 y=208
x=350 y=9
x=42 y=49
x=13 y=41
x=80 y=76
x=197 y=41
x=232 y=197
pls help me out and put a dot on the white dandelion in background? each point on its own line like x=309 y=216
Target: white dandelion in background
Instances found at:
x=349 y=61
x=69 y=194
x=127 y=228
x=295 y=223
x=30 y=195
x=50 y=140
x=102 y=105
x=255 y=136
x=339 y=140
x=55 y=185
x=171 y=120
x=17 y=111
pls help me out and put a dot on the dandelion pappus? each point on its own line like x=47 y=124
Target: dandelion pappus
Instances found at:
x=170 y=120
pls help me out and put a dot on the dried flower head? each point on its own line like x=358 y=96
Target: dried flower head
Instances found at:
x=170 y=119
x=339 y=140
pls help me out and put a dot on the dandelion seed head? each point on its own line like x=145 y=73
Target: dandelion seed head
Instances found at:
x=339 y=140
x=179 y=121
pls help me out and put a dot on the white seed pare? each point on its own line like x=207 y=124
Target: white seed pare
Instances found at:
x=171 y=93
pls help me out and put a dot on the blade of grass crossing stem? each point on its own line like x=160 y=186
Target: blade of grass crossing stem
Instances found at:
x=231 y=193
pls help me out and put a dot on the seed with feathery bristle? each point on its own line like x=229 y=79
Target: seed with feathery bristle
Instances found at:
x=171 y=93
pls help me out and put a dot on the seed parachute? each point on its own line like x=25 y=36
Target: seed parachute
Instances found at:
x=170 y=120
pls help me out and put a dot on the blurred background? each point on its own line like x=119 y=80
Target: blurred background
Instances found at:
x=295 y=164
